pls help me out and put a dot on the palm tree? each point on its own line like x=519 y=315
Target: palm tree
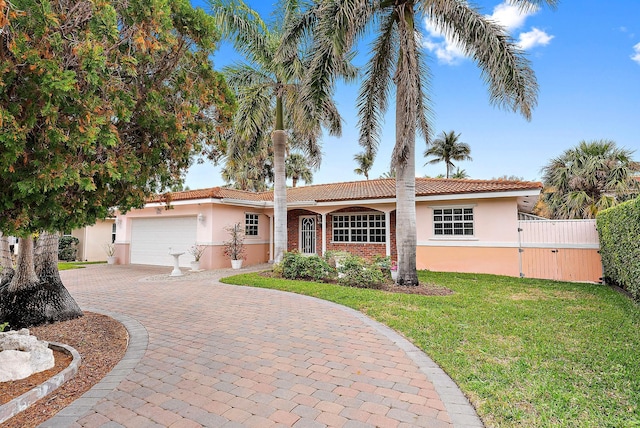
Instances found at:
x=588 y=178
x=365 y=162
x=397 y=62
x=460 y=173
x=446 y=149
x=267 y=89
x=251 y=171
x=297 y=168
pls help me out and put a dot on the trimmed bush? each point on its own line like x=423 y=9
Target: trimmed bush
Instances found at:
x=619 y=232
x=68 y=248
x=357 y=272
x=296 y=266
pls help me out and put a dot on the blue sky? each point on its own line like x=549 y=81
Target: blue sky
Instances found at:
x=586 y=55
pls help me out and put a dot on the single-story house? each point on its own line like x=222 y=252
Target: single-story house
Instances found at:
x=462 y=225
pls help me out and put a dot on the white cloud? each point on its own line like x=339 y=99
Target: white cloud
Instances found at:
x=509 y=16
x=533 y=38
x=446 y=50
x=636 y=55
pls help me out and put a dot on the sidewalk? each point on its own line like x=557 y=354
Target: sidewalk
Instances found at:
x=203 y=353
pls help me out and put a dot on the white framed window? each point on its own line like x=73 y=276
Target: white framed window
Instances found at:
x=359 y=227
x=251 y=224
x=113 y=232
x=454 y=221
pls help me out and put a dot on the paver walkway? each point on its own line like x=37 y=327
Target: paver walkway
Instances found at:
x=207 y=354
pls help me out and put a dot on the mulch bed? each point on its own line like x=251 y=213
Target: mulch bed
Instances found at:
x=101 y=342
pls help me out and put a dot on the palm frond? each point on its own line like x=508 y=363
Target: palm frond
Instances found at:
x=335 y=31
x=424 y=106
x=241 y=75
x=373 y=97
x=241 y=24
x=407 y=79
x=505 y=69
x=255 y=111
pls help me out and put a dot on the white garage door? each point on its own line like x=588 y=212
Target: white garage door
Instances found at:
x=152 y=237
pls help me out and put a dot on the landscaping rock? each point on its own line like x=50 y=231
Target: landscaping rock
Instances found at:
x=21 y=355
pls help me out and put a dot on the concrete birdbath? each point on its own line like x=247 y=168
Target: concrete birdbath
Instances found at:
x=176 y=262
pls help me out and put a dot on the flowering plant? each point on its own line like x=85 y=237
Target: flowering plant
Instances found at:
x=394 y=266
x=197 y=250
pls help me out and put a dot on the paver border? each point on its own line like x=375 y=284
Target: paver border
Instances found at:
x=21 y=403
x=137 y=346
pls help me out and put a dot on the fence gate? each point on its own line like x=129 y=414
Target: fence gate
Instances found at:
x=563 y=250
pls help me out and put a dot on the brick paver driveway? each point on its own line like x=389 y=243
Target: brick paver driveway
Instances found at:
x=207 y=354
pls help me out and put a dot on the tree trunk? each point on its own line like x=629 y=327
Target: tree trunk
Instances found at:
x=406 y=240
x=405 y=166
x=295 y=181
x=32 y=298
x=279 y=139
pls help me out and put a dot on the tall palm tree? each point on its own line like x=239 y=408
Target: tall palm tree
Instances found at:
x=267 y=89
x=448 y=148
x=397 y=61
x=588 y=178
x=365 y=162
x=297 y=168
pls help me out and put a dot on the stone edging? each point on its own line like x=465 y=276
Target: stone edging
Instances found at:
x=22 y=402
x=137 y=346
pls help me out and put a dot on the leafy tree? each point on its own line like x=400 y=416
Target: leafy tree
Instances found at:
x=389 y=174
x=448 y=148
x=297 y=168
x=509 y=178
x=102 y=104
x=588 y=178
x=397 y=61
x=268 y=92
x=460 y=173
x=365 y=162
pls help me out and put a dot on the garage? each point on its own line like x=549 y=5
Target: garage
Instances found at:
x=152 y=237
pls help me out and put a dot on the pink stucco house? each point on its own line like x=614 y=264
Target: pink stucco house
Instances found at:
x=462 y=225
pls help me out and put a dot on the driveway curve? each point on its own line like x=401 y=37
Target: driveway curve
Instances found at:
x=203 y=353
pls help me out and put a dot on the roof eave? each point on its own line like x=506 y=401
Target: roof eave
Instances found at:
x=479 y=195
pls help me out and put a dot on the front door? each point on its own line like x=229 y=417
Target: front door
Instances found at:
x=308 y=234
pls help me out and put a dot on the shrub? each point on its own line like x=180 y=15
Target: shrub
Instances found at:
x=68 y=248
x=357 y=272
x=383 y=262
x=333 y=257
x=619 y=232
x=297 y=266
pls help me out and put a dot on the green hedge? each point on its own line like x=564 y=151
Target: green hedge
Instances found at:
x=619 y=231
x=68 y=248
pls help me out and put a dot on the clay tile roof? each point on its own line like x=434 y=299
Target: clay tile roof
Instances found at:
x=359 y=190
x=213 y=193
x=386 y=188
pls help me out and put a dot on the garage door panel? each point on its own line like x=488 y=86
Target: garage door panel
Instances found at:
x=151 y=239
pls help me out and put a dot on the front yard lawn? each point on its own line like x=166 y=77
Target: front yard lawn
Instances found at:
x=526 y=352
x=75 y=265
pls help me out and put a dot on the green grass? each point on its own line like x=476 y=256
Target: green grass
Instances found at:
x=526 y=352
x=75 y=265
